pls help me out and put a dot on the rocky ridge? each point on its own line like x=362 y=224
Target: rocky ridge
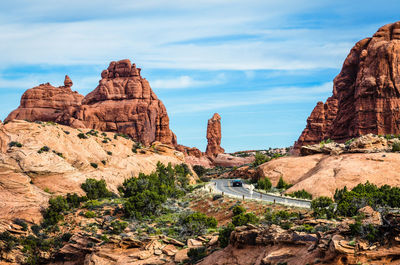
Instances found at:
x=41 y=159
x=366 y=93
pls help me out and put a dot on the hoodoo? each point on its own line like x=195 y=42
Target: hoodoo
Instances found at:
x=366 y=93
x=214 y=136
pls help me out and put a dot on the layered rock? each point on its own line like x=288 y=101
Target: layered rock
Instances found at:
x=124 y=102
x=47 y=103
x=25 y=172
x=366 y=93
x=4 y=139
x=214 y=136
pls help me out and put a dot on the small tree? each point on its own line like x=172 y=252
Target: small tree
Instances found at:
x=264 y=184
x=96 y=189
x=323 y=207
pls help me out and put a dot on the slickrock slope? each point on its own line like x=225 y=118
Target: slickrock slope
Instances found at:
x=366 y=93
x=321 y=174
x=25 y=173
x=124 y=102
x=214 y=136
x=46 y=102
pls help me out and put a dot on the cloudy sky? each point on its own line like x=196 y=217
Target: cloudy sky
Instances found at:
x=262 y=65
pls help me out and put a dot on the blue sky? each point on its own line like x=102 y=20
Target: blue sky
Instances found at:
x=262 y=65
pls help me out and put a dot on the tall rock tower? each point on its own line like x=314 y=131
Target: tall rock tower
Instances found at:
x=214 y=136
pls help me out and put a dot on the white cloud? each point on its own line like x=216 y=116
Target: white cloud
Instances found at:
x=185 y=82
x=277 y=95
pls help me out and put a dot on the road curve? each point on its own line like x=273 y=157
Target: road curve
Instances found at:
x=225 y=186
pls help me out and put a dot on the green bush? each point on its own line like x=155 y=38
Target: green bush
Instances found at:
x=117 y=227
x=96 y=189
x=349 y=202
x=90 y=214
x=16 y=144
x=44 y=149
x=54 y=213
x=323 y=207
x=282 y=184
x=302 y=194
x=279 y=217
x=244 y=219
x=21 y=223
x=146 y=193
x=82 y=136
x=94 y=165
x=196 y=254
x=260 y=158
x=396 y=147
x=109 y=153
x=238 y=209
x=195 y=224
x=264 y=184
x=200 y=170
x=225 y=234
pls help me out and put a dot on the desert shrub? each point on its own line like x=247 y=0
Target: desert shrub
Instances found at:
x=146 y=193
x=196 y=254
x=9 y=241
x=82 y=136
x=94 y=165
x=302 y=194
x=327 y=141
x=16 y=144
x=305 y=228
x=349 y=202
x=74 y=200
x=92 y=132
x=238 y=209
x=260 y=158
x=225 y=234
x=282 y=184
x=96 y=189
x=348 y=142
x=117 y=227
x=205 y=179
x=54 y=213
x=264 y=184
x=136 y=146
x=90 y=214
x=323 y=207
x=44 y=149
x=244 y=219
x=396 y=147
x=196 y=224
x=279 y=217
x=103 y=162
x=36 y=229
x=368 y=231
x=109 y=153
x=21 y=223
x=200 y=170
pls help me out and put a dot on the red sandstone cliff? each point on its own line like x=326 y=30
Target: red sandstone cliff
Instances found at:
x=366 y=93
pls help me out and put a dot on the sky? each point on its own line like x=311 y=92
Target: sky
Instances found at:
x=261 y=64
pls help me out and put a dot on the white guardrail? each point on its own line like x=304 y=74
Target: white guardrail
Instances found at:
x=285 y=200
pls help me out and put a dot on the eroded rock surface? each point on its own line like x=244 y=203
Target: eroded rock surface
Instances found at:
x=47 y=103
x=124 y=102
x=214 y=136
x=366 y=93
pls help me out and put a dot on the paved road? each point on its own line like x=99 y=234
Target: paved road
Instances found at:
x=224 y=185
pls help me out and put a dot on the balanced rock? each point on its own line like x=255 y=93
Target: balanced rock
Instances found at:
x=366 y=93
x=124 y=102
x=46 y=102
x=214 y=136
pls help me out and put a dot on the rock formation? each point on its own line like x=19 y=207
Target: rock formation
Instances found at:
x=4 y=139
x=214 y=136
x=124 y=102
x=46 y=102
x=366 y=93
